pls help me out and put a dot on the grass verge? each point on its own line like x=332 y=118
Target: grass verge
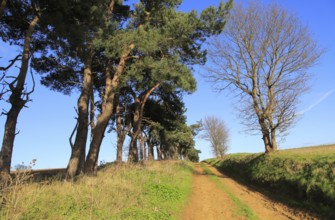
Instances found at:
x=155 y=190
x=243 y=210
x=305 y=176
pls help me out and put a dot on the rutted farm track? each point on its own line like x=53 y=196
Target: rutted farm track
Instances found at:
x=217 y=196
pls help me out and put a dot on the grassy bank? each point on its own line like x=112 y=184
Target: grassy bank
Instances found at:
x=154 y=190
x=306 y=175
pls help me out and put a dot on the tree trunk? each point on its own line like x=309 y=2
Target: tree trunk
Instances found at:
x=17 y=103
x=98 y=135
x=267 y=142
x=133 y=151
x=107 y=110
x=273 y=141
x=119 y=150
x=159 y=153
x=175 y=153
x=150 y=151
x=9 y=135
x=145 y=149
x=142 y=157
x=101 y=125
x=121 y=130
x=77 y=159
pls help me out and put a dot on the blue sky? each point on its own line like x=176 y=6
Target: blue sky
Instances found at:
x=46 y=125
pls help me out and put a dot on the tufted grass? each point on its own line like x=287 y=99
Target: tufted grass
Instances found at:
x=152 y=190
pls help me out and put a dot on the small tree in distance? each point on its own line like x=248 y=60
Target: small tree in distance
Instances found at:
x=263 y=56
x=216 y=132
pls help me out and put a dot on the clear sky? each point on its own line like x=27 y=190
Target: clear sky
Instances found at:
x=46 y=125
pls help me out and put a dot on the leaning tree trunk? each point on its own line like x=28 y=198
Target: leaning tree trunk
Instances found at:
x=79 y=147
x=77 y=161
x=17 y=102
x=112 y=83
x=101 y=125
x=98 y=134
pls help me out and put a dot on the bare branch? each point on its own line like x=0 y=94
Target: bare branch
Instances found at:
x=263 y=56
x=216 y=132
x=71 y=136
x=12 y=62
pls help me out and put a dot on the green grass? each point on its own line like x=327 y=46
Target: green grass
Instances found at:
x=242 y=210
x=156 y=190
x=307 y=175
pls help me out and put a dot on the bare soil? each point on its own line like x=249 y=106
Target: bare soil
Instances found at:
x=209 y=202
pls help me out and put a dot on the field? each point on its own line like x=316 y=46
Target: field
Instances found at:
x=155 y=190
x=304 y=177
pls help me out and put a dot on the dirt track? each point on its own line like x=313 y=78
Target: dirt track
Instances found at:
x=209 y=202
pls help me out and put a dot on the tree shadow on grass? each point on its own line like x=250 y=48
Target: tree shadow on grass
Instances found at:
x=276 y=195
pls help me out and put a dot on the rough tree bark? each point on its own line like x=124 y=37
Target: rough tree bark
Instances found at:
x=79 y=147
x=112 y=83
x=17 y=102
x=77 y=160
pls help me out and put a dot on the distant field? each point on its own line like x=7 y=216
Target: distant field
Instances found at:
x=320 y=148
x=313 y=151
x=306 y=174
x=319 y=153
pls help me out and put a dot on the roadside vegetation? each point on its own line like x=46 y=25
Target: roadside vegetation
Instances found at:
x=305 y=175
x=151 y=190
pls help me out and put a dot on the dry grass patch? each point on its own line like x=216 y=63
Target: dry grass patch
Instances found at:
x=155 y=190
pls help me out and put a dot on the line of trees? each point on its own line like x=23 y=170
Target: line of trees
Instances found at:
x=130 y=66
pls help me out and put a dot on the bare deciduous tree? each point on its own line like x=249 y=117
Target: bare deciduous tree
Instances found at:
x=262 y=56
x=216 y=132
